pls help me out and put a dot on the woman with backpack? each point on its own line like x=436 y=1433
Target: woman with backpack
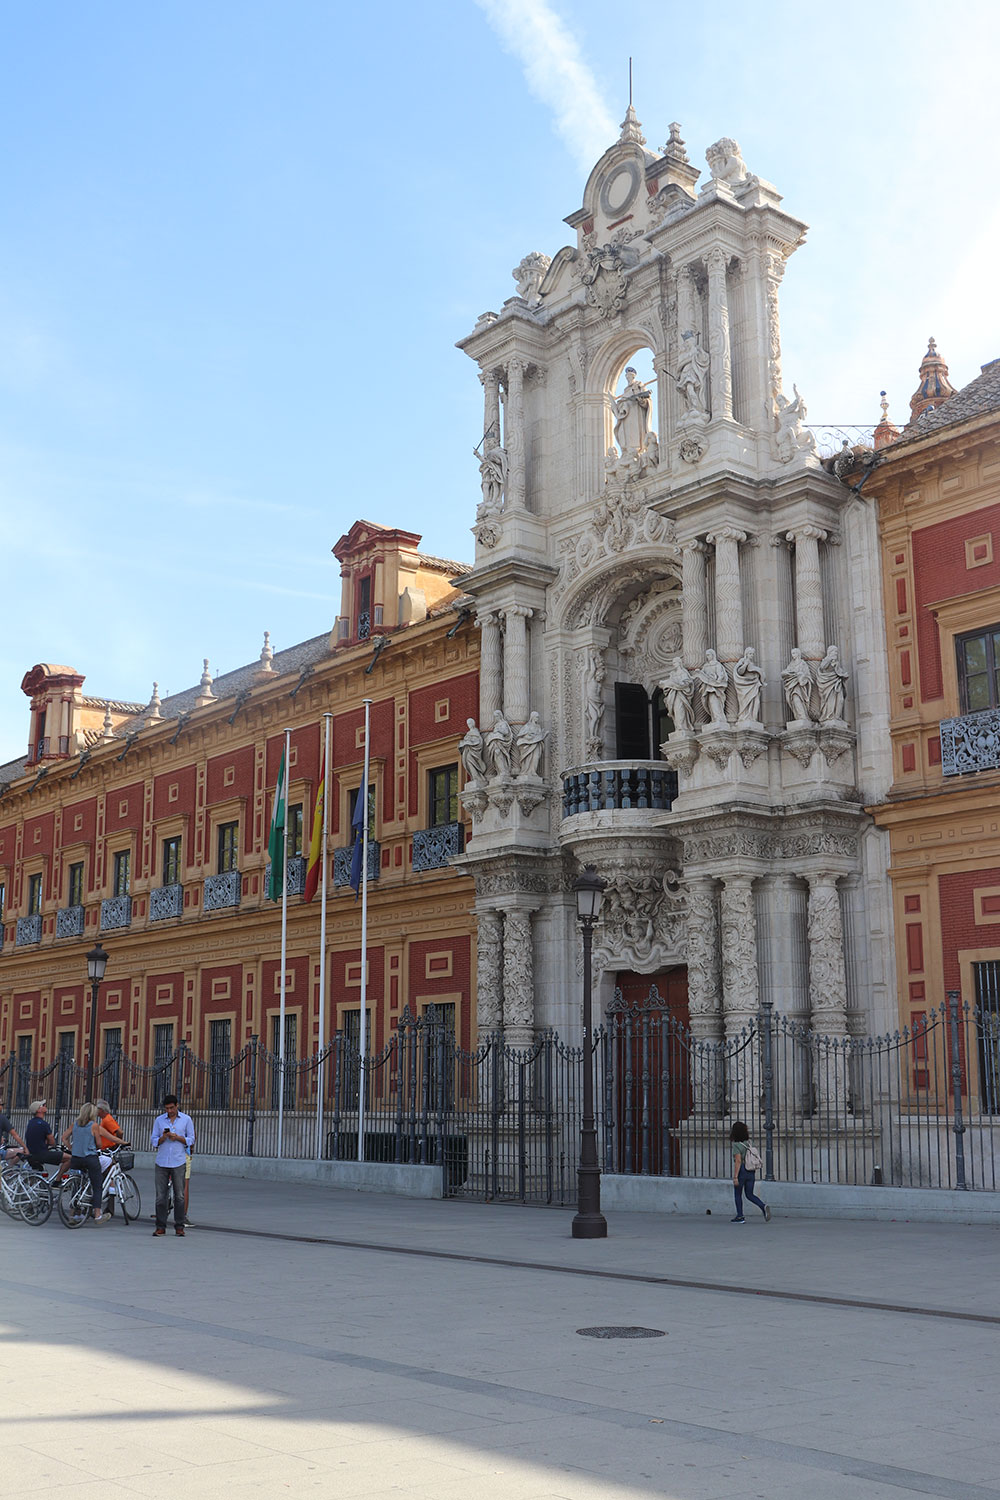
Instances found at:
x=746 y=1162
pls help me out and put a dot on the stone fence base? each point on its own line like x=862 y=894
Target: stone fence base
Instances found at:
x=798 y=1200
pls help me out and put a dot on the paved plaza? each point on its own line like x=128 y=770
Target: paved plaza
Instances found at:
x=346 y=1345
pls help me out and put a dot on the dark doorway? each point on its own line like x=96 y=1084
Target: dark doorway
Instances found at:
x=650 y=1054
x=641 y=723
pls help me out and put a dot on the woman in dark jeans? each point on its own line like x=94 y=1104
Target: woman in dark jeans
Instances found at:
x=86 y=1155
x=743 y=1180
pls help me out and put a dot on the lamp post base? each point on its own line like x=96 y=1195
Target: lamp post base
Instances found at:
x=592 y=1226
x=588 y=1221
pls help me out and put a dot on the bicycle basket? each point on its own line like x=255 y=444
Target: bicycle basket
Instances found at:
x=126 y=1160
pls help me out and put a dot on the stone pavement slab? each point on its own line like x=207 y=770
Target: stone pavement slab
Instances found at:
x=433 y=1352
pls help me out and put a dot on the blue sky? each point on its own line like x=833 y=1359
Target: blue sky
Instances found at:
x=238 y=242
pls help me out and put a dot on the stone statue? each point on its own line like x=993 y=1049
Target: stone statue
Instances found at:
x=714 y=680
x=530 y=743
x=792 y=437
x=830 y=681
x=529 y=275
x=632 y=410
x=493 y=472
x=797 y=681
x=748 y=680
x=471 y=749
x=678 y=697
x=594 y=705
x=653 y=450
x=692 y=377
x=498 y=744
x=725 y=162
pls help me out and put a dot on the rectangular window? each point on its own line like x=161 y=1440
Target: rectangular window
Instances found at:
x=172 y=860
x=364 y=620
x=220 y=1064
x=295 y=829
x=22 y=1092
x=163 y=1051
x=3 y=897
x=64 y=1075
x=442 y=797
x=631 y=721
x=121 y=881
x=987 y=976
x=353 y=799
x=111 y=1073
x=351 y=1023
x=441 y=1054
x=34 y=895
x=979 y=669
x=229 y=847
x=291 y=1038
x=75 y=892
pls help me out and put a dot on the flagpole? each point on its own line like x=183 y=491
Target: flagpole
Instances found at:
x=363 y=1028
x=284 y=951
x=328 y=720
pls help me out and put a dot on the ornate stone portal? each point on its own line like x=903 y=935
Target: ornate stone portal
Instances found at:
x=682 y=664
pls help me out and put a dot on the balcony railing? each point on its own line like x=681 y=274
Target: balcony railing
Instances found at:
x=618 y=785
x=29 y=930
x=222 y=890
x=364 y=624
x=971 y=743
x=69 y=921
x=296 y=874
x=342 y=863
x=116 y=911
x=166 y=901
x=435 y=847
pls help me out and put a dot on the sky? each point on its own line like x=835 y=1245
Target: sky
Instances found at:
x=238 y=242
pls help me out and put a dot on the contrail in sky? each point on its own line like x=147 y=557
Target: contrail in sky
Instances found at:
x=556 y=73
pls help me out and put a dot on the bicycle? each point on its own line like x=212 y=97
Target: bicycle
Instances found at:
x=75 y=1199
x=24 y=1193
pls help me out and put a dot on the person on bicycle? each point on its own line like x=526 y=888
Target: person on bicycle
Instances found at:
x=7 y=1129
x=85 y=1138
x=39 y=1140
x=110 y=1137
x=172 y=1137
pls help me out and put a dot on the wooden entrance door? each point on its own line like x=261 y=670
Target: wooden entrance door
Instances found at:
x=652 y=1078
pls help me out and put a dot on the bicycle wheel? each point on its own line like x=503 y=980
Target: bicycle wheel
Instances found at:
x=36 y=1204
x=73 y=1203
x=127 y=1194
x=8 y=1198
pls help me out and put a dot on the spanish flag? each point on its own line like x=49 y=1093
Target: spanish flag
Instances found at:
x=315 y=864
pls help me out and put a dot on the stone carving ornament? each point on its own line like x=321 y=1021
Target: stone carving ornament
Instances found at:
x=641 y=920
x=471 y=747
x=498 y=746
x=830 y=682
x=797 y=681
x=702 y=949
x=692 y=449
x=692 y=380
x=594 y=705
x=529 y=275
x=632 y=409
x=518 y=977
x=714 y=680
x=725 y=162
x=678 y=697
x=489 y=967
x=827 y=979
x=793 y=436
x=748 y=680
x=530 y=744
x=493 y=469
x=602 y=270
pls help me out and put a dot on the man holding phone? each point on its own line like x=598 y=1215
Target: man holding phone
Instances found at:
x=172 y=1138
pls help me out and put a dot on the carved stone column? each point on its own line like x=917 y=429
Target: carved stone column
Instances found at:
x=688 y=311
x=729 y=641
x=740 y=993
x=515 y=664
x=827 y=992
x=490 y=666
x=489 y=972
x=808 y=591
x=704 y=997
x=491 y=403
x=694 y=604
x=515 y=432
x=518 y=980
x=774 y=269
x=718 y=336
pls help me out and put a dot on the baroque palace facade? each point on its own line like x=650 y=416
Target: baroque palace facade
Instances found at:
x=679 y=610
x=147 y=826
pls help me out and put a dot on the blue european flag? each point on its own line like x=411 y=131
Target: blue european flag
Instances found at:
x=357 y=855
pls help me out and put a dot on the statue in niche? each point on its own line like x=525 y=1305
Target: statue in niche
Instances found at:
x=831 y=680
x=748 y=680
x=692 y=378
x=632 y=410
x=493 y=472
x=530 y=743
x=472 y=750
x=594 y=705
x=652 y=450
x=714 y=680
x=498 y=745
x=678 y=697
x=797 y=681
x=792 y=437
x=529 y=275
x=725 y=162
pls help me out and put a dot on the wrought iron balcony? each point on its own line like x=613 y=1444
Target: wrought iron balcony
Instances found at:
x=971 y=743
x=296 y=874
x=364 y=624
x=342 y=863
x=69 y=921
x=166 y=901
x=116 y=911
x=435 y=847
x=222 y=890
x=29 y=930
x=618 y=785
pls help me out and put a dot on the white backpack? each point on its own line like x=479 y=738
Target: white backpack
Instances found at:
x=752 y=1159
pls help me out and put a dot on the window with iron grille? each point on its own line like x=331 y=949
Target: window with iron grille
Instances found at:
x=23 y=1089
x=987 y=976
x=442 y=795
x=440 y=1043
x=64 y=1074
x=350 y=1021
x=121 y=881
x=291 y=1039
x=172 y=860
x=295 y=829
x=163 y=1051
x=74 y=894
x=229 y=847
x=3 y=897
x=220 y=1055
x=34 y=895
x=111 y=1078
x=979 y=669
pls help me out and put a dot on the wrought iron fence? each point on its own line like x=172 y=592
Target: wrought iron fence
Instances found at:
x=920 y=1107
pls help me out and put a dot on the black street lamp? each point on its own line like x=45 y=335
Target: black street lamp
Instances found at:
x=588 y=1223
x=97 y=962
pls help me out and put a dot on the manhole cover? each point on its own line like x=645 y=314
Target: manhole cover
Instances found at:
x=622 y=1333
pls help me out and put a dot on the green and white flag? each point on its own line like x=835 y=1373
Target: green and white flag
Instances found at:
x=276 y=838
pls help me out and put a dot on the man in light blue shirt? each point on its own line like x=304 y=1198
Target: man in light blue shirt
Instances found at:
x=172 y=1138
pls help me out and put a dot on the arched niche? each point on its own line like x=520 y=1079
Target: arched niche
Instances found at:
x=624 y=376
